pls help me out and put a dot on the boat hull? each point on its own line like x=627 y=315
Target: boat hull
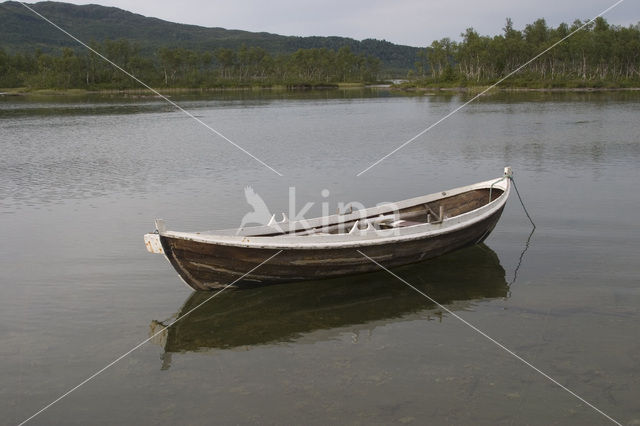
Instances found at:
x=207 y=266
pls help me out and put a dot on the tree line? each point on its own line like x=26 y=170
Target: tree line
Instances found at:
x=179 y=67
x=598 y=54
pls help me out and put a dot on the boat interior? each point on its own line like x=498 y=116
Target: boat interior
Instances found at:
x=433 y=212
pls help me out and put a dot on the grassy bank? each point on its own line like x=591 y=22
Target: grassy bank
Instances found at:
x=519 y=85
x=24 y=91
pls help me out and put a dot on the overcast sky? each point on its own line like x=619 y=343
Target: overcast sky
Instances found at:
x=412 y=22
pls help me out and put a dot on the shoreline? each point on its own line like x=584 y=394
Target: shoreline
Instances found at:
x=25 y=91
x=474 y=89
x=142 y=92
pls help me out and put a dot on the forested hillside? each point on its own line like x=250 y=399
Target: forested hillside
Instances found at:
x=35 y=55
x=22 y=31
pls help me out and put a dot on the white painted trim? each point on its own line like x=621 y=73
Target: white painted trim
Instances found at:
x=152 y=242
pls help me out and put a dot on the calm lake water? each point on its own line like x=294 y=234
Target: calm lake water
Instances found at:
x=81 y=180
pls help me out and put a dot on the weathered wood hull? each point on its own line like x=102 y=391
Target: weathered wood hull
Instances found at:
x=206 y=266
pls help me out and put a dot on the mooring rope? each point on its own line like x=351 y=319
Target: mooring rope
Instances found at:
x=509 y=175
x=526 y=247
x=527 y=244
x=522 y=202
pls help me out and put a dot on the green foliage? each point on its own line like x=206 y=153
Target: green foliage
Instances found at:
x=179 y=67
x=600 y=55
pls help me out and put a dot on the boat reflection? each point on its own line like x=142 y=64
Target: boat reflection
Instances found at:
x=289 y=312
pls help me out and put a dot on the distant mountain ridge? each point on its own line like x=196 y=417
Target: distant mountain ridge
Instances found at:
x=23 y=31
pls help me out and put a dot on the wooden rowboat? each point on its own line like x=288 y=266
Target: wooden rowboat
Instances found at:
x=343 y=244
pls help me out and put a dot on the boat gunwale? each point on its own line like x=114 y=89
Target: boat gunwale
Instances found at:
x=366 y=237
